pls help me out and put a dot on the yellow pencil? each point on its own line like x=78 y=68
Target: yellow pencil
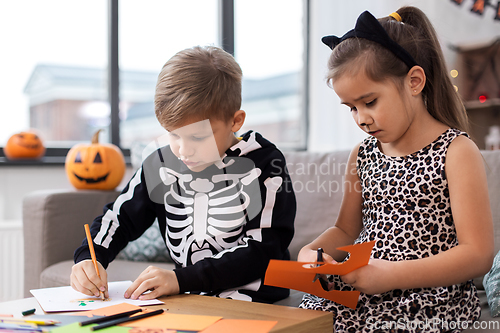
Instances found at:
x=30 y=321
x=92 y=253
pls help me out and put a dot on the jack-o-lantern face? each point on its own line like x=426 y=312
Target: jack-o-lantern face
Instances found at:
x=24 y=145
x=95 y=166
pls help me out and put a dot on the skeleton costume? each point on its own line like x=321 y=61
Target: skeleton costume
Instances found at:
x=221 y=225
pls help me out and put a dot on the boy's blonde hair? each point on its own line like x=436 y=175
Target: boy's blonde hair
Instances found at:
x=200 y=83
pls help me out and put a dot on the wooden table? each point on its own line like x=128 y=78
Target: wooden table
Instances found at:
x=290 y=320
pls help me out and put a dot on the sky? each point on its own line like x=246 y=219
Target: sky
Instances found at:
x=74 y=32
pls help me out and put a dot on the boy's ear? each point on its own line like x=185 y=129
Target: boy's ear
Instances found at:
x=238 y=120
x=417 y=79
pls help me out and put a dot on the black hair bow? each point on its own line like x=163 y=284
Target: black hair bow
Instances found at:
x=368 y=27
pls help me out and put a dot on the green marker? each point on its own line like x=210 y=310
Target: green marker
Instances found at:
x=28 y=312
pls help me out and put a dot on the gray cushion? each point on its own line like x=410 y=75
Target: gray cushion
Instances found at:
x=53 y=227
x=317 y=181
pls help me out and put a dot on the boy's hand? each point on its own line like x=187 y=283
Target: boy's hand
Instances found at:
x=85 y=280
x=159 y=281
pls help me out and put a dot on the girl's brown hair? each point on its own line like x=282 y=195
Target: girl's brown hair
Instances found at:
x=199 y=83
x=416 y=35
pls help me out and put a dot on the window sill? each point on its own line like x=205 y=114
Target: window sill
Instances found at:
x=53 y=156
x=48 y=160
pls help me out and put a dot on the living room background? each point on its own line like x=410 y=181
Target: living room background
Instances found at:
x=56 y=56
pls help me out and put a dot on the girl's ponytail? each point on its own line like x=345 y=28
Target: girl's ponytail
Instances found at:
x=441 y=98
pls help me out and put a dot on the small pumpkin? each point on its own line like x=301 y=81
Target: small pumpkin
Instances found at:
x=96 y=166
x=24 y=145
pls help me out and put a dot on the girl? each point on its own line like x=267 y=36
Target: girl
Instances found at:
x=423 y=194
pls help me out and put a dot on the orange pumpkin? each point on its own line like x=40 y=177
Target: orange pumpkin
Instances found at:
x=24 y=145
x=95 y=166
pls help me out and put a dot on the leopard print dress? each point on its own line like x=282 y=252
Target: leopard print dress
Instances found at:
x=406 y=210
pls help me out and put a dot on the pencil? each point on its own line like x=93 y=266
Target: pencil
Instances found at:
x=4 y=327
x=43 y=322
x=126 y=319
x=109 y=318
x=92 y=253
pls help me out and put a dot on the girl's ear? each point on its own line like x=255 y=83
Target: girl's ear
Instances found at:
x=416 y=78
x=238 y=120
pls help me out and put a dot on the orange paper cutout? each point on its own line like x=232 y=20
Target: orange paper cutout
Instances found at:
x=175 y=321
x=299 y=276
x=241 y=326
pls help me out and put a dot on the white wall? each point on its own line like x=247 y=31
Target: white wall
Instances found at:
x=331 y=126
x=17 y=181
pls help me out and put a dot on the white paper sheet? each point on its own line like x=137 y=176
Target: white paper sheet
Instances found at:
x=61 y=299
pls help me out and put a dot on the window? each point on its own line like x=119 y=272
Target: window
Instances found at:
x=150 y=33
x=53 y=51
x=58 y=58
x=269 y=46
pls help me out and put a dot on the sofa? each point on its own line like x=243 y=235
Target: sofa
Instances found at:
x=53 y=222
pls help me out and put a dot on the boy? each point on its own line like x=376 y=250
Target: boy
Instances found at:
x=218 y=199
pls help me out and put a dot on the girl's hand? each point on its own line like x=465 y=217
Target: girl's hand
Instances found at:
x=308 y=255
x=374 y=278
x=85 y=280
x=158 y=281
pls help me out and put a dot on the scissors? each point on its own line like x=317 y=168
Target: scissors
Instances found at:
x=324 y=283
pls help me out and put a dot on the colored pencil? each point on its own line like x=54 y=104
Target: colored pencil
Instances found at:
x=43 y=322
x=19 y=327
x=108 y=318
x=92 y=253
x=126 y=319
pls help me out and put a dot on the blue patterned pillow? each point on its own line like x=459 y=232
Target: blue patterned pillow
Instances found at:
x=491 y=284
x=149 y=247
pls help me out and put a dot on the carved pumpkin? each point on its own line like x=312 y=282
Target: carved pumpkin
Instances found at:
x=24 y=145
x=95 y=166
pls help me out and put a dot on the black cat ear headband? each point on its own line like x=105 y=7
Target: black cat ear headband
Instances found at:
x=368 y=27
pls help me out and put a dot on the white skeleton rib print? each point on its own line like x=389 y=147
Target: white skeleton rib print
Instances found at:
x=206 y=217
